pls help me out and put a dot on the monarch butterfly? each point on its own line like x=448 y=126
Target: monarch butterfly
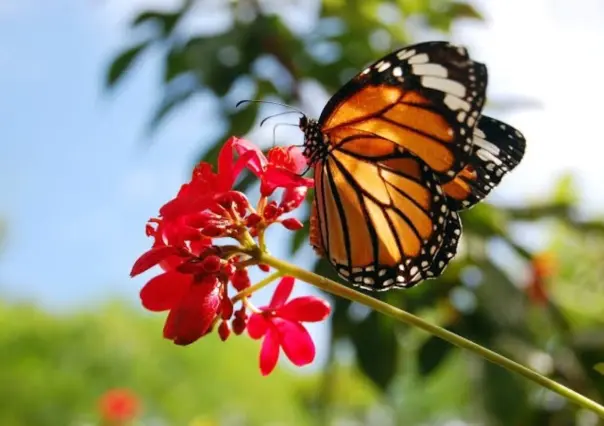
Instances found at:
x=397 y=152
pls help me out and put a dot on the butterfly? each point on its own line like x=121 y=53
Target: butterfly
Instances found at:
x=397 y=152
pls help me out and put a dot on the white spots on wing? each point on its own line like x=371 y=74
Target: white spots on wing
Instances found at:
x=485 y=144
x=461 y=116
x=486 y=156
x=422 y=58
x=435 y=70
x=444 y=85
x=478 y=132
x=397 y=71
x=471 y=121
x=404 y=54
x=368 y=280
x=366 y=71
x=455 y=103
x=382 y=66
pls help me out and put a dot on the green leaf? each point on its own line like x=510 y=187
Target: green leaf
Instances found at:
x=599 y=367
x=431 y=354
x=122 y=63
x=505 y=396
x=164 y=20
x=566 y=190
x=300 y=237
x=464 y=10
x=377 y=350
x=170 y=101
x=242 y=120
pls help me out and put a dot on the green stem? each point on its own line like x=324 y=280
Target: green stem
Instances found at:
x=333 y=287
x=262 y=283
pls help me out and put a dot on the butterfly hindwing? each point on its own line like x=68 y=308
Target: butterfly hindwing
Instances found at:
x=425 y=98
x=379 y=223
x=498 y=149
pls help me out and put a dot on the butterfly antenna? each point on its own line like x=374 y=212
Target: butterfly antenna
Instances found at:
x=245 y=101
x=277 y=115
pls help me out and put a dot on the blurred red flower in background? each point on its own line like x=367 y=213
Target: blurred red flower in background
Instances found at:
x=117 y=406
x=543 y=266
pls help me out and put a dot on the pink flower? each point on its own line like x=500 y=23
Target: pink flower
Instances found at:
x=281 y=169
x=280 y=323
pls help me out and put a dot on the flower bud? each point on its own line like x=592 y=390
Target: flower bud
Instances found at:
x=240 y=280
x=211 y=263
x=214 y=231
x=226 y=308
x=292 y=224
x=264 y=267
x=224 y=330
x=253 y=219
x=271 y=211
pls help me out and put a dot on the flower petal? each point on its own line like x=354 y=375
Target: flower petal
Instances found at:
x=282 y=178
x=151 y=258
x=297 y=159
x=296 y=342
x=305 y=309
x=269 y=354
x=165 y=291
x=193 y=316
x=256 y=162
x=225 y=160
x=282 y=292
x=257 y=326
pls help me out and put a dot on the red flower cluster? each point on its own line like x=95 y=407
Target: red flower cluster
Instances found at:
x=198 y=272
x=119 y=405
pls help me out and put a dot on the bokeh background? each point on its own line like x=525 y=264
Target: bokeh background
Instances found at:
x=105 y=107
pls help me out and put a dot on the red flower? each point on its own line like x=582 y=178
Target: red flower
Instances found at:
x=281 y=169
x=280 y=325
x=189 y=289
x=119 y=405
x=199 y=194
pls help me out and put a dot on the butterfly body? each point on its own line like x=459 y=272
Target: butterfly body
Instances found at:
x=396 y=152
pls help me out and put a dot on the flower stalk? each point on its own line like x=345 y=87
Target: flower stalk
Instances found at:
x=337 y=289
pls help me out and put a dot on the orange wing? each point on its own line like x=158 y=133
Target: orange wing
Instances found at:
x=381 y=223
x=498 y=149
x=426 y=99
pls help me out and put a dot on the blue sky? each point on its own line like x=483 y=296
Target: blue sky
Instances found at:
x=78 y=181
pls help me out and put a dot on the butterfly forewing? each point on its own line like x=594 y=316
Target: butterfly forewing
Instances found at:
x=426 y=98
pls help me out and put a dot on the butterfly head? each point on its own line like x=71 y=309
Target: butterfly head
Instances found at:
x=315 y=141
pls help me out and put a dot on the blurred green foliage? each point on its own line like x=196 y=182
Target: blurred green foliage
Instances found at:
x=261 y=52
x=55 y=367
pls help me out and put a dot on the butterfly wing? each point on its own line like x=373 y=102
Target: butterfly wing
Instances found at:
x=381 y=222
x=425 y=98
x=498 y=149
